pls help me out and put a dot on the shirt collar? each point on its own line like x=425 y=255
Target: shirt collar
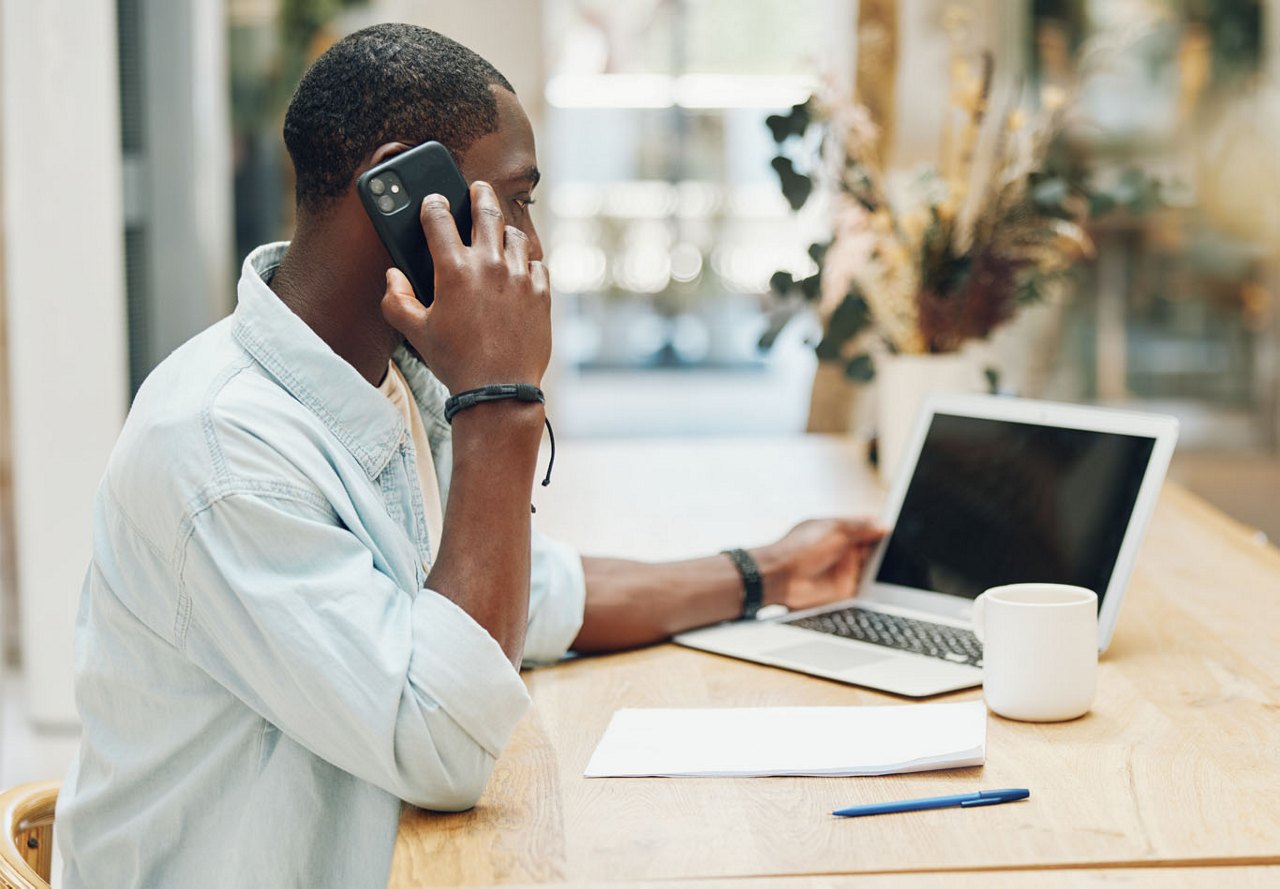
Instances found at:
x=354 y=411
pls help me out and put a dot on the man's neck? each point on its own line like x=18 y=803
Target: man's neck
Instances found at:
x=337 y=298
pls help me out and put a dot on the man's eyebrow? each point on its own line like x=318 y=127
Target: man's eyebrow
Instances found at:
x=529 y=174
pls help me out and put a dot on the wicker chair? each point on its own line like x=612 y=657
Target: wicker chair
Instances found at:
x=26 y=843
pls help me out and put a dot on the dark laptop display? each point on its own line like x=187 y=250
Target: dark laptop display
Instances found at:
x=991 y=491
x=994 y=502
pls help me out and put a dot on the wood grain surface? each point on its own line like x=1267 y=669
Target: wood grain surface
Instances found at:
x=1175 y=765
x=1243 y=877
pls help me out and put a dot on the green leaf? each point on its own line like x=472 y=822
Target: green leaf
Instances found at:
x=826 y=350
x=802 y=115
x=793 y=123
x=849 y=319
x=811 y=286
x=860 y=369
x=796 y=187
x=781 y=283
x=779 y=126
x=1029 y=288
x=993 y=380
x=1101 y=203
x=770 y=335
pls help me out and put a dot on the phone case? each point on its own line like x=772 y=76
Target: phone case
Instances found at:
x=425 y=169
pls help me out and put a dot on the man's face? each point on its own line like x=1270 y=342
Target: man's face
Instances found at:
x=507 y=160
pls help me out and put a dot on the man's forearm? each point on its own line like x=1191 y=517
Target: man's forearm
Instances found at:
x=483 y=560
x=639 y=603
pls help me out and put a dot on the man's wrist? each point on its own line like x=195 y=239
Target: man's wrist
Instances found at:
x=517 y=394
x=507 y=417
x=773 y=572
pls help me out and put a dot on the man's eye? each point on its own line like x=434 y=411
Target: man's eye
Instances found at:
x=525 y=203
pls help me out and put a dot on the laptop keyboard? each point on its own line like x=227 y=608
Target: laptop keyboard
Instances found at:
x=916 y=636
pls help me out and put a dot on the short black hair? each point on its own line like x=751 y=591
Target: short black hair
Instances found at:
x=385 y=83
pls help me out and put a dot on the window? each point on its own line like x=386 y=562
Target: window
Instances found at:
x=666 y=220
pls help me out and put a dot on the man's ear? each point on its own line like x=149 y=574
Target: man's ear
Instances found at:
x=383 y=152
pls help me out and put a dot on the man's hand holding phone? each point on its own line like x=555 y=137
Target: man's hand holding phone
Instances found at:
x=490 y=323
x=491 y=319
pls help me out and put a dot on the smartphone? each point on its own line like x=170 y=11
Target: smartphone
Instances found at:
x=392 y=194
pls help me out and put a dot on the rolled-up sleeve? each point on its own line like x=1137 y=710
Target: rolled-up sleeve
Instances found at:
x=285 y=608
x=557 y=597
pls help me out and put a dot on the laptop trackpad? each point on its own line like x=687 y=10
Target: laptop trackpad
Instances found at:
x=825 y=655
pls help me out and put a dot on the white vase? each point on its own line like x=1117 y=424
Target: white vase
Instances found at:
x=903 y=382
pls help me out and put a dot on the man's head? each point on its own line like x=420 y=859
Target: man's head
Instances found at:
x=372 y=95
x=387 y=83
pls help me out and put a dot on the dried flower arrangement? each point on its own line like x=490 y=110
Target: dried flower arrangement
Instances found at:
x=925 y=262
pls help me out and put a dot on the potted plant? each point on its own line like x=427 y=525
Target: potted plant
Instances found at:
x=921 y=264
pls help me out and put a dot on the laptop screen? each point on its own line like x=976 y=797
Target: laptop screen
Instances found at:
x=995 y=501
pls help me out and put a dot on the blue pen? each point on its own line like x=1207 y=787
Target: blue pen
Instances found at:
x=962 y=800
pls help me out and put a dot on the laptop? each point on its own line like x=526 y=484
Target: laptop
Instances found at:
x=991 y=490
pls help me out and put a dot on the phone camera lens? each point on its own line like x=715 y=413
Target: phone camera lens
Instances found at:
x=386 y=203
x=377 y=186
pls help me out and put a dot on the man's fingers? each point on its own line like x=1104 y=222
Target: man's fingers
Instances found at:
x=847 y=571
x=516 y=247
x=861 y=530
x=441 y=230
x=540 y=277
x=487 y=221
x=400 y=306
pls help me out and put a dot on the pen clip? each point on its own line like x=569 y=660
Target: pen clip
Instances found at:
x=986 y=801
x=1008 y=795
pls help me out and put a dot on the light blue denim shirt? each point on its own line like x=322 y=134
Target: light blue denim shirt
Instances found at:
x=261 y=673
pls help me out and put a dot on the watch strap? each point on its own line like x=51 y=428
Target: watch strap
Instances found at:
x=752 y=581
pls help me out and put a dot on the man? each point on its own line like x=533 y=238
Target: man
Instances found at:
x=310 y=593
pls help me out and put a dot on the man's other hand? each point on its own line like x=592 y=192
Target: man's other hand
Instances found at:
x=491 y=318
x=818 y=561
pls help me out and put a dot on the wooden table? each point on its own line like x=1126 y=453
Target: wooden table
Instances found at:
x=1172 y=780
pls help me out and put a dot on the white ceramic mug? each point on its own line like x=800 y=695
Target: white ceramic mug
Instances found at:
x=1039 y=650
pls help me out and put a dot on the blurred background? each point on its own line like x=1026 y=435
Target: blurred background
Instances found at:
x=142 y=160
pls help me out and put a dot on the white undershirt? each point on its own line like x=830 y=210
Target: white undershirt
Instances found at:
x=397 y=390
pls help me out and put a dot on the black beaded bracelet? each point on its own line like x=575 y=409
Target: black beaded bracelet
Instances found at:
x=503 y=392
x=752 y=581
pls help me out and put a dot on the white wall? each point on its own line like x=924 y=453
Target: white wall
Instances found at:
x=508 y=34
x=186 y=191
x=64 y=292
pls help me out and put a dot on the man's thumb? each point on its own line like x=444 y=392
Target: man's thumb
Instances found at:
x=400 y=306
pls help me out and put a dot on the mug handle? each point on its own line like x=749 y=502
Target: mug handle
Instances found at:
x=979 y=612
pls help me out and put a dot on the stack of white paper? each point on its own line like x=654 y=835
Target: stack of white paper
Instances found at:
x=762 y=741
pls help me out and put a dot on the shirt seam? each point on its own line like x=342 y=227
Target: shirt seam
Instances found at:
x=215 y=388
x=218 y=492
x=110 y=493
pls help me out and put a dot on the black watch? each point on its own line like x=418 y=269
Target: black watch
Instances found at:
x=752 y=582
